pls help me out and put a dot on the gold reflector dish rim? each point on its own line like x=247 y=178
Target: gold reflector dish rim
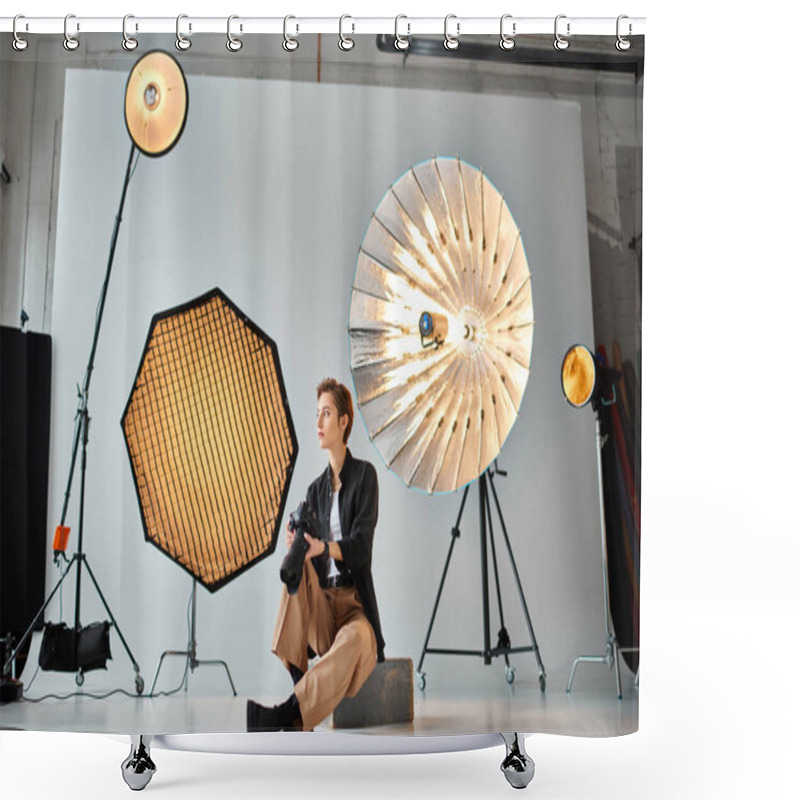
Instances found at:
x=156 y=103
x=578 y=375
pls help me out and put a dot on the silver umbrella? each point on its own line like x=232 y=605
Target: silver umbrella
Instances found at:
x=441 y=325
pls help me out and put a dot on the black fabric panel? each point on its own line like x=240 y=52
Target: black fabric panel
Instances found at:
x=25 y=373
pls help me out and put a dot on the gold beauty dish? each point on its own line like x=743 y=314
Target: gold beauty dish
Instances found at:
x=156 y=102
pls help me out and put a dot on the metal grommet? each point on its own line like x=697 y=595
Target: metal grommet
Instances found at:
x=560 y=42
x=181 y=42
x=507 y=42
x=70 y=42
x=451 y=42
x=401 y=42
x=622 y=42
x=19 y=44
x=290 y=44
x=128 y=42
x=345 y=42
x=233 y=44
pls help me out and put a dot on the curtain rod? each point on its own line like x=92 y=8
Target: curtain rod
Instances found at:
x=455 y=26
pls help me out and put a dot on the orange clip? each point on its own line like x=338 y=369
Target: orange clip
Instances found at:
x=60 y=539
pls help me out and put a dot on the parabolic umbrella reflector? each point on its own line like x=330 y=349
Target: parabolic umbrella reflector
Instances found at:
x=441 y=325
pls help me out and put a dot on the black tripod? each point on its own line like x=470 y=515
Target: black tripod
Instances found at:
x=503 y=647
x=81 y=438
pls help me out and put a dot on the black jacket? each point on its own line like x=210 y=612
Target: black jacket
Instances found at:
x=358 y=515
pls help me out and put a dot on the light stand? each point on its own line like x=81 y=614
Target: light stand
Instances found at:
x=156 y=102
x=581 y=386
x=503 y=648
x=81 y=438
x=611 y=657
x=191 y=654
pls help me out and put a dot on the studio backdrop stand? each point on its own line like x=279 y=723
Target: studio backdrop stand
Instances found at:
x=81 y=441
x=503 y=647
x=192 y=661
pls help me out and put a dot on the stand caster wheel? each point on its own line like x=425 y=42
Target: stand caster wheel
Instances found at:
x=510 y=675
x=542 y=683
x=421 y=681
x=139 y=684
x=138 y=768
x=79 y=678
x=517 y=766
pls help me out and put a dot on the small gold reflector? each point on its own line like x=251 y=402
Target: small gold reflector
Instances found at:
x=578 y=375
x=210 y=439
x=156 y=100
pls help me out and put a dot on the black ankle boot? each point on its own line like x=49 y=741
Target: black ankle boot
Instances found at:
x=291 y=717
x=284 y=717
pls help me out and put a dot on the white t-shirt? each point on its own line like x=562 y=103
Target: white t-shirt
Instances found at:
x=336 y=532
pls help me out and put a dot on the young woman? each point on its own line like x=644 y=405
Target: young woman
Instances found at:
x=334 y=613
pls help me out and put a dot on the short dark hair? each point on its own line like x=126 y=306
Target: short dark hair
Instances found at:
x=342 y=400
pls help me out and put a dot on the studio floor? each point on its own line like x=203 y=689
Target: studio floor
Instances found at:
x=591 y=709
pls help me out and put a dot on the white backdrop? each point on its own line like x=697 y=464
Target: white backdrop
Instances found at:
x=268 y=195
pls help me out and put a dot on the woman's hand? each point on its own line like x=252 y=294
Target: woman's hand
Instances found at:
x=289 y=536
x=316 y=547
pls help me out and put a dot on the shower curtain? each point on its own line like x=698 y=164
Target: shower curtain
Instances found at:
x=267 y=196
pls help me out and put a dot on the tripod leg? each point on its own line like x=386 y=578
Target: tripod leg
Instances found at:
x=139 y=680
x=542 y=673
x=503 y=640
x=161 y=661
x=574 y=667
x=616 y=667
x=10 y=659
x=220 y=663
x=455 y=533
x=484 y=511
x=436 y=604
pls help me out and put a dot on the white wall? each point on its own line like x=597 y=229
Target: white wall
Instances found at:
x=268 y=195
x=32 y=93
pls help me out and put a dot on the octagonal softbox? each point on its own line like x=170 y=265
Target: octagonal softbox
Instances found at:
x=210 y=438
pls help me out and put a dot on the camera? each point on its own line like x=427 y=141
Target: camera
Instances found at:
x=301 y=521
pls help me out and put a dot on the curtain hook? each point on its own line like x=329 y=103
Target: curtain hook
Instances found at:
x=181 y=42
x=290 y=44
x=345 y=42
x=507 y=41
x=451 y=42
x=401 y=42
x=128 y=42
x=560 y=42
x=19 y=43
x=622 y=42
x=70 y=42
x=233 y=44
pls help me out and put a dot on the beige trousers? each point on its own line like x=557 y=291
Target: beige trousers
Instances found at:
x=332 y=621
